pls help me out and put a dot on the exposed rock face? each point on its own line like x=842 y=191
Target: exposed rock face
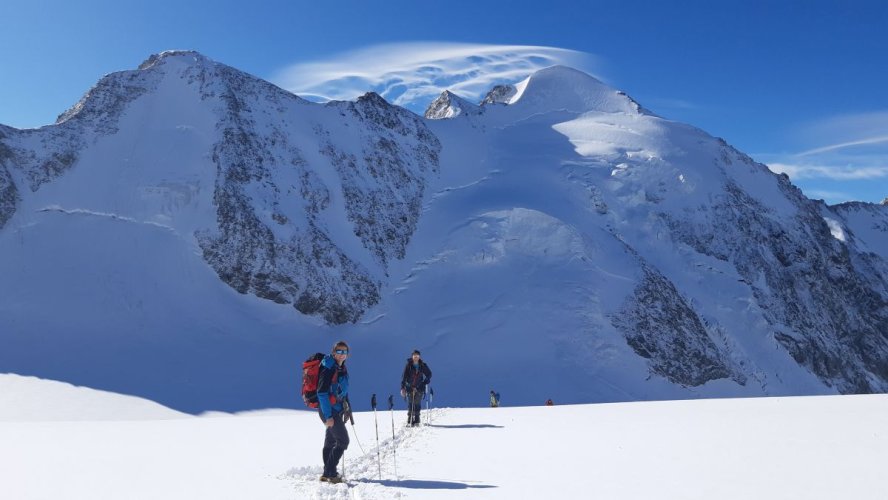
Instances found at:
x=500 y=94
x=822 y=307
x=382 y=183
x=449 y=105
x=661 y=327
x=271 y=239
x=44 y=154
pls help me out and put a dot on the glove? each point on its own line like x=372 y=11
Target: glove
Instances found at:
x=403 y=393
x=346 y=412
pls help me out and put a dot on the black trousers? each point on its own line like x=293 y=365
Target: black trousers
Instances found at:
x=335 y=444
x=414 y=406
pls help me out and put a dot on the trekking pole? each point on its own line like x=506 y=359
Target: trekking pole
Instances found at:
x=394 y=441
x=431 y=397
x=410 y=400
x=419 y=408
x=428 y=409
x=376 y=424
x=406 y=397
x=347 y=409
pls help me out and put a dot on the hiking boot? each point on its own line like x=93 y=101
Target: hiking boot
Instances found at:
x=332 y=479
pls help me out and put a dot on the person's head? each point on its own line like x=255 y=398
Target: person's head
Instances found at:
x=415 y=356
x=340 y=351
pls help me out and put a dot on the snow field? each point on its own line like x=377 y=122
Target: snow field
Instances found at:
x=808 y=448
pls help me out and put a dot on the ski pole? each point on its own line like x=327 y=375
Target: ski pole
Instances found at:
x=376 y=424
x=394 y=441
x=431 y=397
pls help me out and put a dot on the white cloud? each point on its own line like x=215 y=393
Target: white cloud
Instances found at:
x=831 y=197
x=852 y=147
x=803 y=171
x=848 y=129
x=844 y=145
x=413 y=74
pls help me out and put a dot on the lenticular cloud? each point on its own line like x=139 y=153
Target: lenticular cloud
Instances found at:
x=413 y=74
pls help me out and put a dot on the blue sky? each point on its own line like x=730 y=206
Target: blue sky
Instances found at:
x=799 y=85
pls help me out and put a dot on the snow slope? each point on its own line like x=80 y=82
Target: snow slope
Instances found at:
x=30 y=399
x=782 y=448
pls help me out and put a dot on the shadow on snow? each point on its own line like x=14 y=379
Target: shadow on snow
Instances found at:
x=426 y=485
x=468 y=426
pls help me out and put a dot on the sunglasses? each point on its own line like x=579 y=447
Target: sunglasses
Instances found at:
x=341 y=351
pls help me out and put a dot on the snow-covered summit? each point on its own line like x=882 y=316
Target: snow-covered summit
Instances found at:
x=186 y=56
x=449 y=105
x=560 y=88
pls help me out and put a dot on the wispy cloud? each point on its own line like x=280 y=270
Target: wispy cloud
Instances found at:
x=413 y=74
x=847 y=129
x=829 y=196
x=844 y=173
x=844 y=145
x=851 y=147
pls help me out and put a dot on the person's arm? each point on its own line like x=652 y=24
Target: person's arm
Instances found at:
x=405 y=377
x=325 y=381
x=342 y=383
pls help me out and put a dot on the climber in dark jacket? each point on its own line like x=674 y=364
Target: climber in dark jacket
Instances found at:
x=417 y=376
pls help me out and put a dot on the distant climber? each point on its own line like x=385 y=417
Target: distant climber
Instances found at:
x=417 y=376
x=494 y=399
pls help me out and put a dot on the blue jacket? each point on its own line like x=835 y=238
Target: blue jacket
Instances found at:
x=327 y=387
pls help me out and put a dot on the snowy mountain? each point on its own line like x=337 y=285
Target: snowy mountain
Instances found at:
x=188 y=233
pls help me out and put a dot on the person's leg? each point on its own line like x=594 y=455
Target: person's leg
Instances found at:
x=329 y=443
x=417 y=406
x=339 y=437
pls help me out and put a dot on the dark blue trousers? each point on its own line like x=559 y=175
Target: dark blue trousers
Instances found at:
x=335 y=444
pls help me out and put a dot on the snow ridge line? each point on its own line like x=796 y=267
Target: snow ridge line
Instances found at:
x=83 y=211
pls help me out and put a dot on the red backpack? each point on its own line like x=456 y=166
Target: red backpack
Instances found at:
x=310 y=368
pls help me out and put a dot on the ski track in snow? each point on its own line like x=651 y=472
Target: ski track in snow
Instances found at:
x=362 y=473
